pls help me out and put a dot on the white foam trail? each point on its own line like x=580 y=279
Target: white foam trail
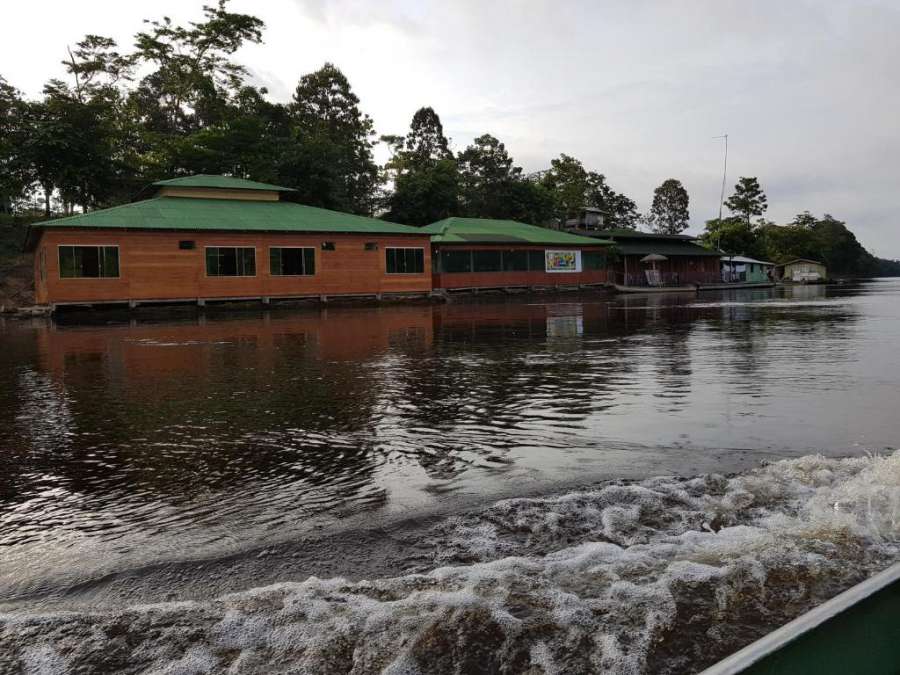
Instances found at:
x=665 y=575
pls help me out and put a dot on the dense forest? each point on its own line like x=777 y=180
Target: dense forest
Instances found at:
x=176 y=103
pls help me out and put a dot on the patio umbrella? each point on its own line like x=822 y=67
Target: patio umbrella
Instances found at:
x=653 y=258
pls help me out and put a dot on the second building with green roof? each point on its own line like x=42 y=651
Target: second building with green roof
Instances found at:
x=480 y=253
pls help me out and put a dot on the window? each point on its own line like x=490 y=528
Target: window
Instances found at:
x=186 y=245
x=230 y=261
x=327 y=245
x=487 y=261
x=456 y=261
x=371 y=246
x=88 y=261
x=593 y=260
x=405 y=260
x=515 y=261
x=292 y=262
x=43 y=264
x=536 y=261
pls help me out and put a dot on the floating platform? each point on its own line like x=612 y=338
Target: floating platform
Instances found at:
x=731 y=286
x=692 y=288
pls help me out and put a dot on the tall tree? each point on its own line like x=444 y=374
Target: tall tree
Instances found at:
x=193 y=74
x=15 y=172
x=573 y=187
x=748 y=199
x=97 y=67
x=669 y=212
x=425 y=143
x=491 y=186
x=619 y=211
x=486 y=174
x=331 y=164
x=733 y=235
x=568 y=182
x=426 y=180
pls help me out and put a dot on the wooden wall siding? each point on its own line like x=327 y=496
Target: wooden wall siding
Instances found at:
x=690 y=269
x=219 y=193
x=460 y=280
x=152 y=267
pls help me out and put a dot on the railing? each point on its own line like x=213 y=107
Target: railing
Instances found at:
x=656 y=278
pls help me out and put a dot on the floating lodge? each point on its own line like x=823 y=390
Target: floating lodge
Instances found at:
x=215 y=238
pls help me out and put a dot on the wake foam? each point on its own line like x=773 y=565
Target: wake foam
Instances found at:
x=664 y=575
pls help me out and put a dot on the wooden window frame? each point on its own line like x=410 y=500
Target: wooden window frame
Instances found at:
x=294 y=276
x=59 y=260
x=227 y=276
x=404 y=248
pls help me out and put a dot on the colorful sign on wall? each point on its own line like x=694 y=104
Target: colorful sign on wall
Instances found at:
x=562 y=261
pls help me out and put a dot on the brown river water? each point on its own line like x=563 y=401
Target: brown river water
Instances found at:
x=541 y=483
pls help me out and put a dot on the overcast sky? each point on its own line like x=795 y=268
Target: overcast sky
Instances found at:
x=809 y=92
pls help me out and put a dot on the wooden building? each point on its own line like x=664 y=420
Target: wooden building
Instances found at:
x=479 y=253
x=738 y=269
x=802 y=271
x=645 y=260
x=203 y=238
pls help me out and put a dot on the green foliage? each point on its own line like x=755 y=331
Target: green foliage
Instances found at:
x=424 y=173
x=193 y=74
x=425 y=195
x=425 y=145
x=887 y=268
x=734 y=236
x=486 y=174
x=748 y=199
x=573 y=188
x=669 y=213
x=12 y=238
x=15 y=171
x=331 y=163
x=824 y=239
x=491 y=186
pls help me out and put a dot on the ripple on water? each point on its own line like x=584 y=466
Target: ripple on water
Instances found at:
x=663 y=575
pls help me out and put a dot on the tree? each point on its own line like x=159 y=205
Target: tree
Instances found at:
x=97 y=67
x=425 y=144
x=425 y=195
x=486 y=176
x=193 y=74
x=426 y=181
x=332 y=164
x=669 y=212
x=530 y=202
x=748 y=199
x=573 y=188
x=733 y=236
x=618 y=210
x=15 y=174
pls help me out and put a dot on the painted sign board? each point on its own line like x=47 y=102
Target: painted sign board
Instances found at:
x=562 y=261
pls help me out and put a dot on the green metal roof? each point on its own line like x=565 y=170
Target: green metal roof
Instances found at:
x=625 y=233
x=182 y=213
x=488 y=231
x=223 y=182
x=666 y=248
x=632 y=242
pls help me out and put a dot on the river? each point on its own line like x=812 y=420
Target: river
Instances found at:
x=161 y=459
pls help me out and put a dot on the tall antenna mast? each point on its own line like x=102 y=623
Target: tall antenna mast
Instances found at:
x=724 y=172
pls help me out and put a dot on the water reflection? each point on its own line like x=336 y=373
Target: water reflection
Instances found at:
x=141 y=441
